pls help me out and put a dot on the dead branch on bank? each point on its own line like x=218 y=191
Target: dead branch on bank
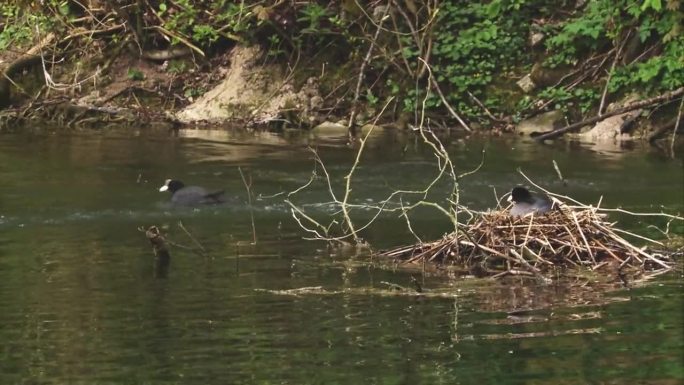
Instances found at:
x=632 y=106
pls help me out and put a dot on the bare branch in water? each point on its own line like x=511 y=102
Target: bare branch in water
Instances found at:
x=248 y=187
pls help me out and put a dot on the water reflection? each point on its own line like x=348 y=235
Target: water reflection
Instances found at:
x=81 y=303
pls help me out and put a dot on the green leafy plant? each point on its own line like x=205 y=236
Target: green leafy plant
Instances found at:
x=473 y=44
x=135 y=74
x=193 y=92
x=177 y=67
x=312 y=14
x=19 y=25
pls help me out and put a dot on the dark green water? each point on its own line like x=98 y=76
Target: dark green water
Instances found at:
x=81 y=301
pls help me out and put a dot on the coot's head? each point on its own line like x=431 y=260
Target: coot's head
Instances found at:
x=520 y=194
x=172 y=185
x=525 y=203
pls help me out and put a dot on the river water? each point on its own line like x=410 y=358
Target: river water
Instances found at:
x=82 y=300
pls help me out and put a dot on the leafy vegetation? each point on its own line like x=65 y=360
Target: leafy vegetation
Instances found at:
x=18 y=26
x=647 y=36
x=473 y=51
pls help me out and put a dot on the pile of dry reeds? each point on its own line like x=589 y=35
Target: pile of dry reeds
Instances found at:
x=496 y=244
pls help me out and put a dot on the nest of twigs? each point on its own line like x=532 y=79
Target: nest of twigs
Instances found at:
x=496 y=244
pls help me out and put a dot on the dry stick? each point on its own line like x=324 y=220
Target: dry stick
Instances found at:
x=634 y=248
x=489 y=250
x=676 y=127
x=364 y=63
x=370 y=19
x=49 y=82
x=418 y=39
x=294 y=210
x=610 y=73
x=638 y=236
x=307 y=184
x=344 y=203
x=633 y=106
x=579 y=228
x=558 y=171
x=414 y=34
x=607 y=250
x=435 y=85
x=574 y=245
x=538 y=257
x=194 y=240
x=400 y=45
x=441 y=154
x=348 y=177
x=571 y=74
x=487 y=112
x=531 y=268
x=527 y=234
x=408 y=221
x=437 y=251
x=249 y=202
x=583 y=206
x=180 y=37
x=636 y=214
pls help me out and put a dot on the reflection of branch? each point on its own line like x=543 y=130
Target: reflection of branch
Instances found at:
x=248 y=186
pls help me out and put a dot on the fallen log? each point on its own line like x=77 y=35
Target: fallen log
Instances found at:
x=633 y=106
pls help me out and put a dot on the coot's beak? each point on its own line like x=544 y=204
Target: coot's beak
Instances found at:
x=510 y=198
x=164 y=188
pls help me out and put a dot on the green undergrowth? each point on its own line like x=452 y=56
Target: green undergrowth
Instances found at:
x=475 y=51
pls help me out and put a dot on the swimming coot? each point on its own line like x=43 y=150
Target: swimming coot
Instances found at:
x=525 y=203
x=191 y=195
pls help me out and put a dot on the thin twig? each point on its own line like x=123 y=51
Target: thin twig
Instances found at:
x=610 y=73
x=362 y=70
x=248 y=187
x=676 y=127
x=194 y=240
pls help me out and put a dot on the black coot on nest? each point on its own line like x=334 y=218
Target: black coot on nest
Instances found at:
x=525 y=203
x=191 y=195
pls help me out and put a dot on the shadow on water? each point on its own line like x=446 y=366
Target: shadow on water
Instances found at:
x=81 y=303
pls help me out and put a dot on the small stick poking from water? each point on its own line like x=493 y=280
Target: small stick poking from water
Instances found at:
x=248 y=187
x=194 y=240
x=558 y=171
